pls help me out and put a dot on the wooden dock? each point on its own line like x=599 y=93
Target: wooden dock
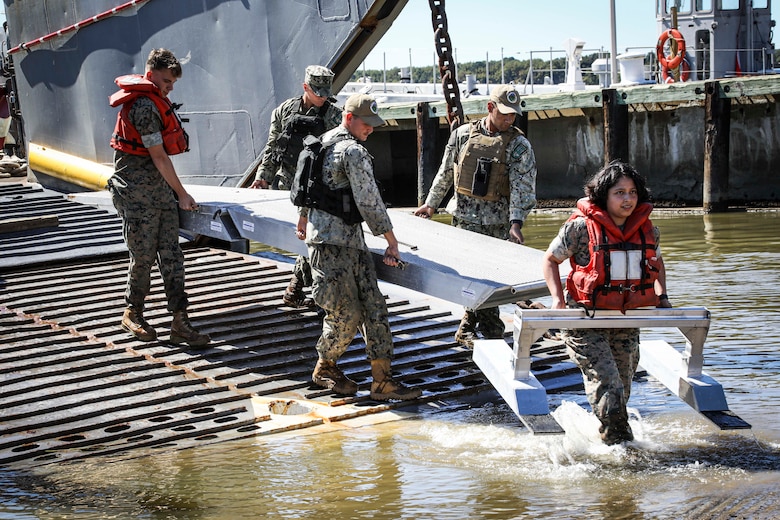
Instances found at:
x=747 y=90
x=712 y=144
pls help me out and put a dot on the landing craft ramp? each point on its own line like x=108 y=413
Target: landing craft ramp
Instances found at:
x=74 y=385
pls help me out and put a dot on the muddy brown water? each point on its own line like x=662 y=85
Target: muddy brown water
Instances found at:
x=478 y=462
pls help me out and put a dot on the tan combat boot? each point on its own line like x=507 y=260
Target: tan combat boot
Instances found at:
x=467 y=330
x=133 y=322
x=294 y=295
x=327 y=375
x=182 y=331
x=384 y=387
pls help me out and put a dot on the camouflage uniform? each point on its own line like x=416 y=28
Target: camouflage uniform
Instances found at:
x=280 y=176
x=491 y=218
x=344 y=277
x=150 y=215
x=271 y=169
x=607 y=357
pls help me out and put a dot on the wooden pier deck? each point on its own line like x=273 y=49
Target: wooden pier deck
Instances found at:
x=745 y=90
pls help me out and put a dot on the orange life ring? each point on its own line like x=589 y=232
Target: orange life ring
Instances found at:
x=685 y=72
x=672 y=61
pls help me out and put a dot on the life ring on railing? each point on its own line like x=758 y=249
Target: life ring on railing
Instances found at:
x=672 y=61
x=685 y=72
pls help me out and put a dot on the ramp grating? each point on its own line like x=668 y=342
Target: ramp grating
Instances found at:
x=74 y=385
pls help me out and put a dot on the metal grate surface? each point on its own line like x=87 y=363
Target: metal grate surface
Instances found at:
x=74 y=385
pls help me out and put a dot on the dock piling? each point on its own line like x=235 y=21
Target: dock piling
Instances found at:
x=427 y=135
x=717 y=124
x=615 y=126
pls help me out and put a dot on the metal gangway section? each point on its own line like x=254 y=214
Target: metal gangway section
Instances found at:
x=458 y=266
x=509 y=369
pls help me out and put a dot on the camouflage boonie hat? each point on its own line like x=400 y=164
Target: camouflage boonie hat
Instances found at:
x=364 y=106
x=320 y=79
x=507 y=99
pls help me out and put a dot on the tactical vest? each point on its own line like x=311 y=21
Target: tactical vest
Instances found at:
x=289 y=144
x=481 y=168
x=308 y=189
x=126 y=137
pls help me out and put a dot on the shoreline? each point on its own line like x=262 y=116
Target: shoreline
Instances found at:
x=552 y=206
x=564 y=205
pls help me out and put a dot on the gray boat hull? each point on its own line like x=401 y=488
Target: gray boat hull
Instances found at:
x=241 y=58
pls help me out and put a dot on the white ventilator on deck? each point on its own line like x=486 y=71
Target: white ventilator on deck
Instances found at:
x=632 y=69
x=574 y=80
x=509 y=369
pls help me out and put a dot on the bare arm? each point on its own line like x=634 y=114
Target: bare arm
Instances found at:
x=552 y=276
x=392 y=255
x=660 y=285
x=424 y=211
x=300 y=229
x=516 y=234
x=164 y=165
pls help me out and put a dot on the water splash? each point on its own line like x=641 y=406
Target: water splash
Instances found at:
x=490 y=441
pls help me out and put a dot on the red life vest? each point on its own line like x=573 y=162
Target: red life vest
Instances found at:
x=623 y=263
x=126 y=138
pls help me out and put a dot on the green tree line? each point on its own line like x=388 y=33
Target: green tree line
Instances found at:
x=515 y=71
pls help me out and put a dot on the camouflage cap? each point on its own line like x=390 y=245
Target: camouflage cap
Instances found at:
x=507 y=99
x=364 y=106
x=320 y=79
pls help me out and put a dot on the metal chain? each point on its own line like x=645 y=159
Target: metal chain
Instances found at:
x=449 y=80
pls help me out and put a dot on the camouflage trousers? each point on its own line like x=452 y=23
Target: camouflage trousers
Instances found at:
x=491 y=230
x=345 y=287
x=489 y=321
x=153 y=235
x=608 y=359
x=302 y=270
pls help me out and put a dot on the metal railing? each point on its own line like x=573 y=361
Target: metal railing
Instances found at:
x=551 y=75
x=557 y=53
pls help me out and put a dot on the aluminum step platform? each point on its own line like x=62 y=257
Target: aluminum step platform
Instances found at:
x=510 y=369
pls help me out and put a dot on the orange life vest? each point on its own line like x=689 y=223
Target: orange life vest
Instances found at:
x=623 y=263
x=126 y=138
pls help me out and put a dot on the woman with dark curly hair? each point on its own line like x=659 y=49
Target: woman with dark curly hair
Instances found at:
x=616 y=264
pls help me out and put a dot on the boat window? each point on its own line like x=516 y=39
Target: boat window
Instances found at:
x=704 y=5
x=760 y=4
x=729 y=5
x=683 y=6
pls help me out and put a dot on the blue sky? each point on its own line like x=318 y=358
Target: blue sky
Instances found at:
x=478 y=27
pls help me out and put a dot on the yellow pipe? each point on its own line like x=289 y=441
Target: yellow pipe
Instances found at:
x=69 y=168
